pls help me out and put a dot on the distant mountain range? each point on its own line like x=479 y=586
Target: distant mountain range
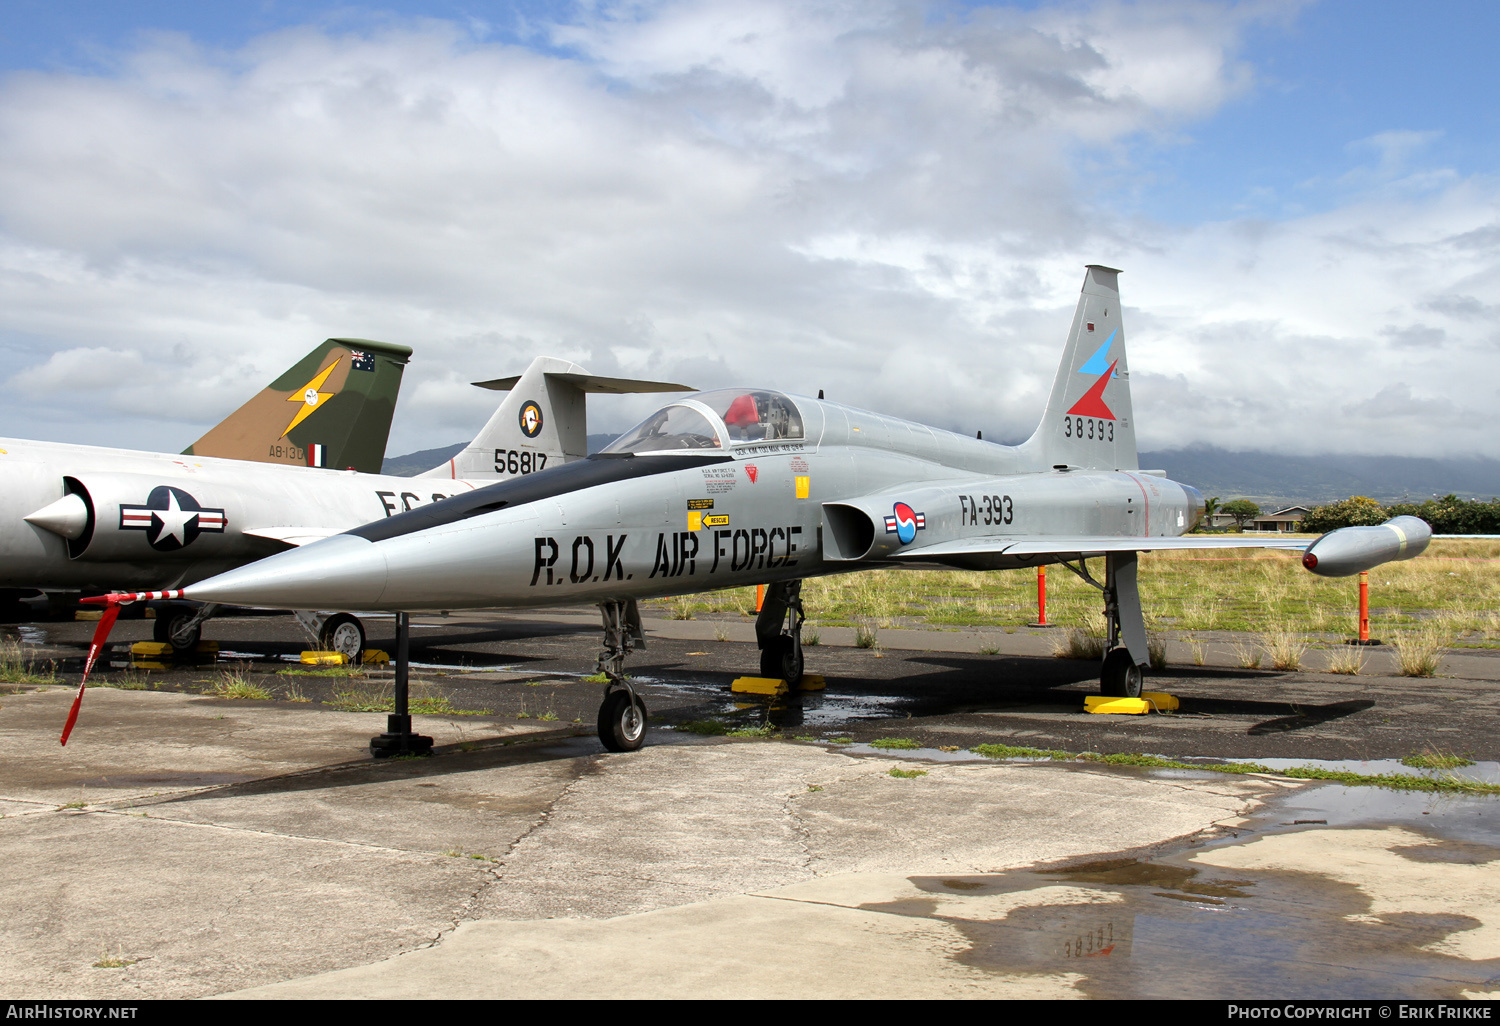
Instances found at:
x=1267 y=478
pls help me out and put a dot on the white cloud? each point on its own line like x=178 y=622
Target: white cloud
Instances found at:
x=879 y=199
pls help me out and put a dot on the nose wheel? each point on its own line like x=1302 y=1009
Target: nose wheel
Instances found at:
x=622 y=721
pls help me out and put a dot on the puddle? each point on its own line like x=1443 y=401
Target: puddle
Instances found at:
x=921 y=754
x=1171 y=927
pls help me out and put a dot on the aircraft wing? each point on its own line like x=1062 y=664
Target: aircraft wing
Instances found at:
x=1037 y=545
x=294 y=536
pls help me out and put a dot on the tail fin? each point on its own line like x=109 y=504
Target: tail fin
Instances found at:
x=542 y=423
x=1088 y=422
x=332 y=408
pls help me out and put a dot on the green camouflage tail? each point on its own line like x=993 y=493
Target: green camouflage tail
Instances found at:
x=333 y=408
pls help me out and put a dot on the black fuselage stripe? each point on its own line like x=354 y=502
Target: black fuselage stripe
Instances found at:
x=544 y=484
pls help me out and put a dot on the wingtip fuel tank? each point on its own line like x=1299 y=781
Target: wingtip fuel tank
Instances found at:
x=1351 y=550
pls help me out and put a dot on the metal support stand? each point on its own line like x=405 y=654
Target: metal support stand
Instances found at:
x=398 y=738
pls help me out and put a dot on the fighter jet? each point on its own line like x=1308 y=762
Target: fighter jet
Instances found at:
x=77 y=519
x=755 y=486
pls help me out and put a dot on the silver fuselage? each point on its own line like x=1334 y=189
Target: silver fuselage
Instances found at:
x=645 y=525
x=116 y=550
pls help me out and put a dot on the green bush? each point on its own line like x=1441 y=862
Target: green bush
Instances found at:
x=1448 y=515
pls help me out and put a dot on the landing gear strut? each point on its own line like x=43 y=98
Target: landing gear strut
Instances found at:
x=180 y=625
x=778 y=632
x=1125 y=651
x=622 y=716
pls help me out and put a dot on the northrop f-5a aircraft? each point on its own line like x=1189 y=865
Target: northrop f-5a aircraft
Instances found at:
x=753 y=486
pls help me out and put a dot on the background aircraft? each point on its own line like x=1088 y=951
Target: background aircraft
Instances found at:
x=750 y=486
x=332 y=408
x=77 y=519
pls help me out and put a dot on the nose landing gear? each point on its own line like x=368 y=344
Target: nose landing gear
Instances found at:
x=622 y=715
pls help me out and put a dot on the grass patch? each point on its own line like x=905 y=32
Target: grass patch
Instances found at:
x=1247 y=656
x=235 y=684
x=1186 y=591
x=753 y=732
x=1432 y=760
x=459 y=853
x=1156 y=651
x=1390 y=781
x=117 y=961
x=1285 y=649
x=905 y=774
x=903 y=743
x=1080 y=643
x=17 y=668
x=866 y=635
x=379 y=698
x=596 y=678
x=324 y=671
x=1346 y=659
x=1419 y=652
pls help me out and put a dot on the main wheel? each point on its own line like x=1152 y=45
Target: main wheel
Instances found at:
x=171 y=626
x=782 y=660
x=1121 y=677
x=622 y=724
x=344 y=633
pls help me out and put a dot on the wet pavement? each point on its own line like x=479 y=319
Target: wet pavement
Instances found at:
x=517 y=666
x=223 y=846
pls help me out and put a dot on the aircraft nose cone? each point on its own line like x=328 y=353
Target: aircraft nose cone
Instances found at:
x=342 y=572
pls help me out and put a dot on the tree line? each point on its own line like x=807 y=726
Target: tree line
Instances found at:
x=1448 y=515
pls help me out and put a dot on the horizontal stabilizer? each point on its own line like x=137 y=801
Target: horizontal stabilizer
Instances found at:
x=592 y=383
x=542 y=423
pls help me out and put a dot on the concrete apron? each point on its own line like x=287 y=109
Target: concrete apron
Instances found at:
x=220 y=848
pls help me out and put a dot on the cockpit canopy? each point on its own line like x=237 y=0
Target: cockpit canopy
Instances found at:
x=713 y=420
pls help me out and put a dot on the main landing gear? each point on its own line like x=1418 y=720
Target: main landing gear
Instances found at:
x=778 y=632
x=1125 y=651
x=622 y=716
x=181 y=625
x=338 y=632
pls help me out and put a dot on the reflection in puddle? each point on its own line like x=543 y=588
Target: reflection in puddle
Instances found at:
x=1173 y=927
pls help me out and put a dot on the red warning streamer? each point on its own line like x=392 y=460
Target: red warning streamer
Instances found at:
x=111 y=603
x=101 y=635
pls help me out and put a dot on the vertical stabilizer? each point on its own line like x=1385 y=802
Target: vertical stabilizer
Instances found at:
x=542 y=423
x=332 y=408
x=1088 y=423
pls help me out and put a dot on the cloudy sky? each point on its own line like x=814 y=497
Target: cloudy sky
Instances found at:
x=891 y=201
